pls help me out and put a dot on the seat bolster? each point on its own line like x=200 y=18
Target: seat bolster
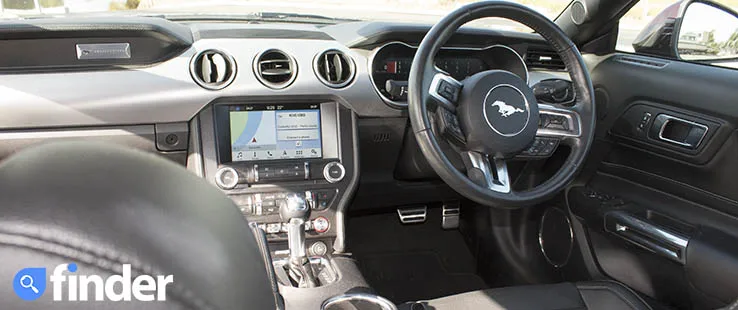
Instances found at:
x=607 y=295
x=562 y=296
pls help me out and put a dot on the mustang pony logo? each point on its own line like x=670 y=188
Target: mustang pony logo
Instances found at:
x=506 y=110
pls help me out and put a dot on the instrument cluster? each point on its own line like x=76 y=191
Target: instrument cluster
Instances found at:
x=390 y=66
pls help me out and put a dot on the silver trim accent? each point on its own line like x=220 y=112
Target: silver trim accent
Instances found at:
x=571 y=238
x=575 y=122
x=327 y=175
x=433 y=91
x=670 y=118
x=645 y=234
x=527 y=106
x=480 y=161
x=307 y=171
x=256 y=173
x=349 y=60
x=402 y=105
x=103 y=51
x=339 y=245
x=377 y=300
x=230 y=62
x=412 y=215
x=219 y=181
x=258 y=73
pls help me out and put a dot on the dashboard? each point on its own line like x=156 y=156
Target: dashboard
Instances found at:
x=262 y=111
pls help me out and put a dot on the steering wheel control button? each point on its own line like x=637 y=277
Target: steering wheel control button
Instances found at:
x=226 y=178
x=541 y=147
x=334 y=172
x=448 y=91
x=558 y=122
x=448 y=125
x=506 y=110
x=321 y=224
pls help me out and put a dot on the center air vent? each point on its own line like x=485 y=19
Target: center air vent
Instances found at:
x=334 y=68
x=213 y=69
x=275 y=69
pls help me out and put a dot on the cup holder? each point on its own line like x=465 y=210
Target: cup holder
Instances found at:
x=358 y=301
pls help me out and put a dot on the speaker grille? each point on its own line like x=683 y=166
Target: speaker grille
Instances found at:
x=578 y=12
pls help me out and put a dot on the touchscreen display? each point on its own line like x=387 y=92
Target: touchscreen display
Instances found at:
x=265 y=132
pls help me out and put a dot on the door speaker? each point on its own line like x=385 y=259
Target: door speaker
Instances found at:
x=556 y=237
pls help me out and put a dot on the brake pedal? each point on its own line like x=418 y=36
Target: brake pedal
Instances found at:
x=450 y=212
x=412 y=215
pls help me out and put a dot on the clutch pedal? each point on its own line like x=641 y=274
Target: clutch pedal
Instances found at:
x=450 y=212
x=412 y=215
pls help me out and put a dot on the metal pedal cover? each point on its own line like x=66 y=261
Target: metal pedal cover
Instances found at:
x=412 y=215
x=451 y=211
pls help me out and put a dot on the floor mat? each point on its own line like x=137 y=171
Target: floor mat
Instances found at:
x=415 y=276
x=412 y=262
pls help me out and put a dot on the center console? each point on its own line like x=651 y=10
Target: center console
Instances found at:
x=291 y=167
x=262 y=152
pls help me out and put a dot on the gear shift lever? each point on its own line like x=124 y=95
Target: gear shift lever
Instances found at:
x=294 y=211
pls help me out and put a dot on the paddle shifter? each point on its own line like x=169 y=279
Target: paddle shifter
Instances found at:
x=295 y=211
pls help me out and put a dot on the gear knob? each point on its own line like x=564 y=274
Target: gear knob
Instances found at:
x=294 y=207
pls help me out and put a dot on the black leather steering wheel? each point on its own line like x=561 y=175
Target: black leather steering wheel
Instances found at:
x=493 y=115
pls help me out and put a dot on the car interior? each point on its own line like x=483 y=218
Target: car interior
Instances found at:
x=302 y=162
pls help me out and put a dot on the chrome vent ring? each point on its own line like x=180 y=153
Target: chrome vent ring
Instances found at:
x=334 y=68
x=275 y=69
x=213 y=69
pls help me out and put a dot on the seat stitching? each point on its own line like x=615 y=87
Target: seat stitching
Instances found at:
x=182 y=295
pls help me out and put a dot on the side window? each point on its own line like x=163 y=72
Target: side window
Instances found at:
x=699 y=31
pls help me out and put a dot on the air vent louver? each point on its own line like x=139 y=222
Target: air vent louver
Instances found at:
x=544 y=59
x=334 y=68
x=213 y=69
x=275 y=69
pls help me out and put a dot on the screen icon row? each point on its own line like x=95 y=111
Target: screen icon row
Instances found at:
x=276 y=154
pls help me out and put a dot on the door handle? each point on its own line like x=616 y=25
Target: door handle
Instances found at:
x=679 y=131
x=647 y=235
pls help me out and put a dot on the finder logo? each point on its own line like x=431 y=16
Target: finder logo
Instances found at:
x=30 y=284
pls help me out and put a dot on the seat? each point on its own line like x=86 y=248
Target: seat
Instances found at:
x=595 y=295
x=104 y=206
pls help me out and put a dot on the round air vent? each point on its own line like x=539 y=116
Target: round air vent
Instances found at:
x=213 y=69
x=275 y=69
x=334 y=68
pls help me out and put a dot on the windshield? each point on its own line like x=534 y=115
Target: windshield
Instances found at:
x=428 y=11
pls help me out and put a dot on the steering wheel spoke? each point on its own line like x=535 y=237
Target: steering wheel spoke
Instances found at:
x=489 y=174
x=445 y=90
x=565 y=124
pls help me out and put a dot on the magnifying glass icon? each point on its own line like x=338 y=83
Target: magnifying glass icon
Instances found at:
x=28 y=284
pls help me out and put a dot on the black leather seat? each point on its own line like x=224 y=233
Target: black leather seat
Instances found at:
x=101 y=206
x=596 y=295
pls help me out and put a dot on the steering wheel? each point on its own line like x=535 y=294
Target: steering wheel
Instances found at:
x=493 y=115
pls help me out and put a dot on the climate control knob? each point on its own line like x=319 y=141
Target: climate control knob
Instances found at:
x=226 y=178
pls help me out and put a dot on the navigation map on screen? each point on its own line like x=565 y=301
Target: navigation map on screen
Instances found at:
x=268 y=132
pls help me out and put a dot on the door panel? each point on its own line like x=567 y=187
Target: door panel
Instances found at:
x=660 y=204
